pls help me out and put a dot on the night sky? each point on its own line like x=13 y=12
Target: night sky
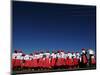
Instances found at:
x=53 y=26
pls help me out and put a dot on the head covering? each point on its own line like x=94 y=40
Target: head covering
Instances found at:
x=68 y=51
x=41 y=51
x=15 y=51
x=77 y=52
x=20 y=51
x=47 y=51
x=23 y=54
x=72 y=52
x=58 y=51
x=62 y=50
x=89 y=49
x=83 y=48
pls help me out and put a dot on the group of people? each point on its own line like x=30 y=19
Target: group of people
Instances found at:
x=53 y=60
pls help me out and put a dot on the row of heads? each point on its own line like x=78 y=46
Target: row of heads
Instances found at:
x=48 y=51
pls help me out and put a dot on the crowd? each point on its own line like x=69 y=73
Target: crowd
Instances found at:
x=53 y=60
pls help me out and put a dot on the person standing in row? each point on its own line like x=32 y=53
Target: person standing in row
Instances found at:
x=40 y=62
x=26 y=61
x=75 y=62
x=53 y=59
x=47 y=60
x=84 y=59
x=78 y=59
x=14 y=56
x=57 y=59
x=69 y=60
x=92 y=60
x=22 y=61
x=62 y=54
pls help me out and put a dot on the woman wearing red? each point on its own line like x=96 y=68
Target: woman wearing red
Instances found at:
x=40 y=63
x=84 y=59
x=92 y=60
x=14 y=55
x=75 y=60
x=62 y=59
x=78 y=59
x=27 y=61
x=47 y=60
x=18 y=61
x=35 y=61
x=53 y=59
x=70 y=60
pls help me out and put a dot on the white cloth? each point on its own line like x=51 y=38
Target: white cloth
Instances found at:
x=58 y=55
x=70 y=55
x=47 y=55
x=74 y=55
x=26 y=57
x=65 y=56
x=40 y=55
x=55 y=56
x=37 y=56
x=34 y=57
x=31 y=57
x=80 y=59
x=83 y=51
x=52 y=55
x=62 y=52
x=77 y=55
x=62 y=55
x=22 y=57
x=91 y=51
x=18 y=57
x=92 y=57
x=14 y=55
x=20 y=54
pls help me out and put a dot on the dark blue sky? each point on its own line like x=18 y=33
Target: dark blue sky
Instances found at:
x=53 y=26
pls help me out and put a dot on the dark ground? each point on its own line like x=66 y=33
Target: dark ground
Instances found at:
x=54 y=70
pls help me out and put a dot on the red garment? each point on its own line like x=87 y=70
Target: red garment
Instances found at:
x=22 y=63
x=30 y=64
x=18 y=63
x=53 y=62
x=70 y=62
x=13 y=63
x=75 y=61
x=93 y=61
x=47 y=63
x=85 y=59
x=62 y=61
x=43 y=63
x=35 y=63
x=67 y=61
x=40 y=64
x=58 y=63
x=27 y=63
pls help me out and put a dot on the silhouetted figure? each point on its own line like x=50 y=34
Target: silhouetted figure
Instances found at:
x=92 y=60
x=84 y=60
